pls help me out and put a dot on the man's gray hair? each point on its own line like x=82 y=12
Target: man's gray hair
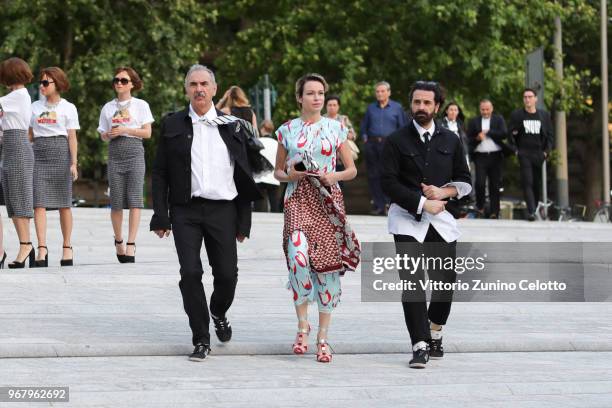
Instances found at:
x=198 y=67
x=385 y=83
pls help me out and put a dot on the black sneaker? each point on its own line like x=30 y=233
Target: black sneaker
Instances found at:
x=531 y=217
x=436 y=351
x=200 y=352
x=419 y=358
x=223 y=329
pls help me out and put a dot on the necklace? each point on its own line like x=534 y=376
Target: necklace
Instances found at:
x=51 y=106
x=123 y=107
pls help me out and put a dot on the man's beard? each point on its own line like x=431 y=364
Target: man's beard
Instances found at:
x=422 y=117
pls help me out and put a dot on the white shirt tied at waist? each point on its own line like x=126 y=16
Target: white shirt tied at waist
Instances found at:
x=401 y=222
x=487 y=145
x=212 y=169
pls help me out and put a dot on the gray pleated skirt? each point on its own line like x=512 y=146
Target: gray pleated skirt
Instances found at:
x=52 y=178
x=126 y=172
x=17 y=173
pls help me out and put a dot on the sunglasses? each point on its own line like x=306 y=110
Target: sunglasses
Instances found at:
x=44 y=83
x=122 y=81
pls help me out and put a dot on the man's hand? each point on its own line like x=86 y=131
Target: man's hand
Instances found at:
x=240 y=237
x=482 y=136
x=433 y=192
x=545 y=155
x=434 y=206
x=162 y=233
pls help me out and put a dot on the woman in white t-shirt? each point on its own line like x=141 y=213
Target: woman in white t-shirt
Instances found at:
x=17 y=155
x=53 y=130
x=124 y=122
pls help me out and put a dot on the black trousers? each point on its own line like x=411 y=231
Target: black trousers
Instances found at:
x=215 y=223
x=416 y=313
x=373 y=151
x=531 y=178
x=488 y=166
x=271 y=201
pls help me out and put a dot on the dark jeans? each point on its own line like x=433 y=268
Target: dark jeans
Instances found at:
x=488 y=165
x=374 y=164
x=213 y=221
x=416 y=313
x=531 y=178
x=270 y=201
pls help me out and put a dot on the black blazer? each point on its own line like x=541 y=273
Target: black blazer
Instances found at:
x=172 y=169
x=407 y=164
x=497 y=131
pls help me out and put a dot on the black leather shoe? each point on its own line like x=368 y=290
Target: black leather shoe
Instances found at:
x=42 y=263
x=436 y=351
x=419 y=358
x=223 y=329
x=200 y=352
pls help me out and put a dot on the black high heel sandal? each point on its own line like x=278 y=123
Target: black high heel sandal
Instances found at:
x=21 y=264
x=43 y=263
x=67 y=262
x=120 y=258
x=2 y=261
x=130 y=258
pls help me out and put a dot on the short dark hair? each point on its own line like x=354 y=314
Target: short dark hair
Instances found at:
x=58 y=76
x=299 y=84
x=430 y=86
x=533 y=91
x=333 y=98
x=15 y=71
x=134 y=77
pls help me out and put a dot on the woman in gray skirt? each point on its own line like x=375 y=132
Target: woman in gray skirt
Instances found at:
x=124 y=122
x=17 y=155
x=53 y=130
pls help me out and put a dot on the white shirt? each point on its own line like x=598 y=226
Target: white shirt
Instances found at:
x=487 y=145
x=55 y=121
x=115 y=114
x=212 y=169
x=453 y=126
x=16 y=110
x=401 y=222
x=269 y=152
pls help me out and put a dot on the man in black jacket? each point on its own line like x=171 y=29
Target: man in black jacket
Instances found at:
x=532 y=131
x=202 y=190
x=487 y=138
x=424 y=168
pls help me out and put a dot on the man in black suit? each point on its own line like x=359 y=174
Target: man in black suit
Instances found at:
x=532 y=131
x=202 y=190
x=424 y=172
x=487 y=138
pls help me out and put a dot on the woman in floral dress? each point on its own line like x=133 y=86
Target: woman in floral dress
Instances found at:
x=319 y=244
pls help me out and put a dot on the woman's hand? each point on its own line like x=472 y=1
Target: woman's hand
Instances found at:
x=117 y=131
x=328 y=179
x=295 y=175
x=74 y=172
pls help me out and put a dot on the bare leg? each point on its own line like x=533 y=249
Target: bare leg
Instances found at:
x=1 y=238
x=117 y=220
x=66 y=225
x=324 y=320
x=22 y=226
x=133 y=230
x=40 y=224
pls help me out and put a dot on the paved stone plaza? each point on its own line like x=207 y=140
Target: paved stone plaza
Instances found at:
x=118 y=337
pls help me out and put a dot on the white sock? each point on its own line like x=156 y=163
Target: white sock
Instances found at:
x=436 y=334
x=419 y=346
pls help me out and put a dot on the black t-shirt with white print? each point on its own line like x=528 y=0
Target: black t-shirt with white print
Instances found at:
x=532 y=132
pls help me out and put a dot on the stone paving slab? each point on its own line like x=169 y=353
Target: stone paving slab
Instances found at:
x=101 y=308
x=576 y=379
